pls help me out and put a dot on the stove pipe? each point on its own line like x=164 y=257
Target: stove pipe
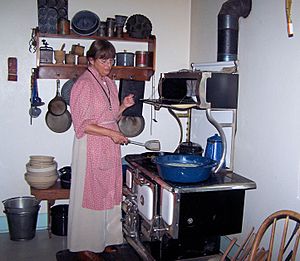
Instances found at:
x=228 y=26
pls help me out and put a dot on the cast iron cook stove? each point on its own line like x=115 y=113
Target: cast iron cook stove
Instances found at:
x=168 y=221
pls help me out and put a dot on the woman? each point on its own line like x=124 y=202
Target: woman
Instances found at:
x=96 y=188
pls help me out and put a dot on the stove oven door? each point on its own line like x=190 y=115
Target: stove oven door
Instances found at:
x=146 y=198
x=129 y=178
x=169 y=211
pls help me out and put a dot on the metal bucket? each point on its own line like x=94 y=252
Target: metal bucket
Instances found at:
x=21 y=213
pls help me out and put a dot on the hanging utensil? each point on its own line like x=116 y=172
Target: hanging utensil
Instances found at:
x=35 y=100
x=34 y=111
x=153 y=145
x=60 y=123
x=57 y=106
x=288 y=9
x=131 y=126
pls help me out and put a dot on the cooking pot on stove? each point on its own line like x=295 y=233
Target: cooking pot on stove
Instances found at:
x=189 y=148
x=184 y=168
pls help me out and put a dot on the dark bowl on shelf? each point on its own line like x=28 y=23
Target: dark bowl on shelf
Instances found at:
x=85 y=22
x=65 y=180
x=65 y=177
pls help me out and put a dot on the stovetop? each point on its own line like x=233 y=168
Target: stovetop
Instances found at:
x=223 y=180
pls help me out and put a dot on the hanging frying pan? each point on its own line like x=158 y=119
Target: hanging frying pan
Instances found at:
x=131 y=126
x=57 y=106
x=66 y=90
x=59 y=123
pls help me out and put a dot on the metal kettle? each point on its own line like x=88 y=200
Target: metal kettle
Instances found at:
x=214 y=148
x=189 y=148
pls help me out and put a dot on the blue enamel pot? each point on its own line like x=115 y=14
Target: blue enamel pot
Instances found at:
x=181 y=168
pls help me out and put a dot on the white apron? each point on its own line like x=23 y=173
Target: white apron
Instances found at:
x=89 y=229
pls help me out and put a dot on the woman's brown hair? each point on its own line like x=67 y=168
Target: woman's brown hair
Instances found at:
x=102 y=49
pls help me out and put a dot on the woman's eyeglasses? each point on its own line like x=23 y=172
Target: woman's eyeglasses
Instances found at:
x=109 y=61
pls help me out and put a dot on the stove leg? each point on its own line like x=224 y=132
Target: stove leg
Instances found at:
x=140 y=249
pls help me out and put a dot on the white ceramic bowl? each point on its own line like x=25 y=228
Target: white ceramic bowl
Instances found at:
x=41 y=178
x=41 y=182
x=42 y=174
x=40 y=185
x=38 y=164
x=42 y=158
x=41 y=168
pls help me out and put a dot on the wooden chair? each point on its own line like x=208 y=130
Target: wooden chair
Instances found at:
x=243 y=250
x=278 y=219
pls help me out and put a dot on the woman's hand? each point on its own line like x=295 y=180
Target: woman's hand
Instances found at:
x=119 y=138
x=128 y=101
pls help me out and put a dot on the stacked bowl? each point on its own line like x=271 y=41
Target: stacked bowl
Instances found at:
x=85 y=22
x=41 y=172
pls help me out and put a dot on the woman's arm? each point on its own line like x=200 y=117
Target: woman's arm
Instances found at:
x=116 y=136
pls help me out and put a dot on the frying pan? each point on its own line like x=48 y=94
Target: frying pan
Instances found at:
x=57 y=106
x=131 y=126
x=66 y=90
x=60 y=123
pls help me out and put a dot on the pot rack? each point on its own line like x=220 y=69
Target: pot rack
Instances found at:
x=179 y=111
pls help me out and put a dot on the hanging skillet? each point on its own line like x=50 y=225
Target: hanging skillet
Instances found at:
x=59 y=123
x=66 y=90
x=57 y=106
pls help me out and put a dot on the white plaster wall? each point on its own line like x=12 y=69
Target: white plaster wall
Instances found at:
x=171 y=25
x=267 y=141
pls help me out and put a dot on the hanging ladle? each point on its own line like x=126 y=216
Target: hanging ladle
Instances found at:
x=153 y=145
x=35 y=100
x=34 y=111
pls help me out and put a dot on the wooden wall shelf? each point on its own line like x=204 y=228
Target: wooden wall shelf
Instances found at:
x=68 y=71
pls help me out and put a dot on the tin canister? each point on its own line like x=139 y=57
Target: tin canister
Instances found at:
x=63 y=26
x=125 y=58
x=82 y=60
x=143 y=59
x=70 y=58
x=77 y=49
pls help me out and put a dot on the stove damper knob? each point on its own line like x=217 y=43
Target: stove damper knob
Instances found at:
x=190 y=221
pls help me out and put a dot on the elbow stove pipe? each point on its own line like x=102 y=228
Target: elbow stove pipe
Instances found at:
x=228 y=27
